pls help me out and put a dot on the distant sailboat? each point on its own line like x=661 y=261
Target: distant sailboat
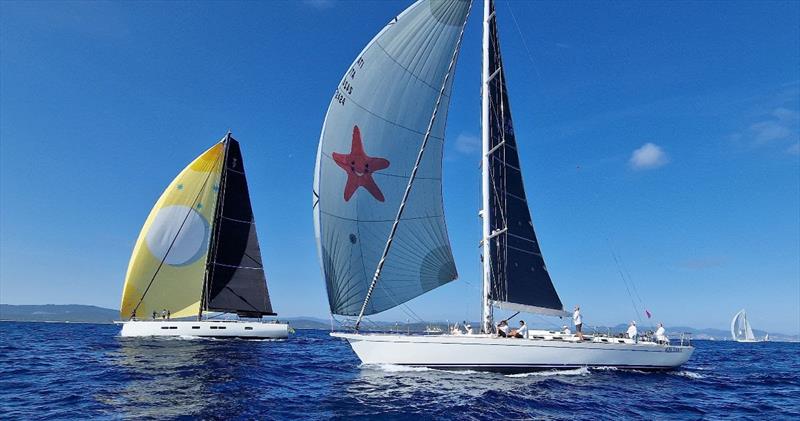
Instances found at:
x=379 y=218
x=741 y=330
x=198 y=252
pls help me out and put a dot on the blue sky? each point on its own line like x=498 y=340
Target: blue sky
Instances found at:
x=665 y=133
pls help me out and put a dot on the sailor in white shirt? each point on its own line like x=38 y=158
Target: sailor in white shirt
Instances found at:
x=521 y=332
x=661 y=336
x=633 y=333
x=468 y=327
x=502 y=329
x=578 y=322
x=565 y=330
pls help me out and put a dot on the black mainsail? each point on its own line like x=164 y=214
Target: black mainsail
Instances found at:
x=518 y=276
x=235 y=280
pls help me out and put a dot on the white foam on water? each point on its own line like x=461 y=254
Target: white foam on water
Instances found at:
x=583 y=371
x=689 y=374
x=394 y=368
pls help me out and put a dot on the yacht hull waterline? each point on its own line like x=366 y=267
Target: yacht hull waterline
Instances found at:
x=490 y=353
x=205 y=329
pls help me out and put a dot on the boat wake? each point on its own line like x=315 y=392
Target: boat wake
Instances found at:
x=394 y=368
x=688 y=374
x=583 y=371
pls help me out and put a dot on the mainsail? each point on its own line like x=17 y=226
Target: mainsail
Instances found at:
x=518 y=276
x=376 y=124
x=740 y=327
x=199 y=241
x=236 y=281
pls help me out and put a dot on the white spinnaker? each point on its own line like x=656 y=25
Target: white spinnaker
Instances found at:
x=389 y=94
x=740 y=327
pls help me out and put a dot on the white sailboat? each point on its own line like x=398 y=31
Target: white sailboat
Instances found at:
x=379 y=217
x=741 y=330
x=198 y=255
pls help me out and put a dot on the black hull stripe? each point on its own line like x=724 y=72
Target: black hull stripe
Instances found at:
x=513 y=368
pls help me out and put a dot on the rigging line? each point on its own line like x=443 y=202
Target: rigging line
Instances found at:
x=522 y=37
x=619 y=268
x=635 y=291
x=416 y=167
x=164 y=259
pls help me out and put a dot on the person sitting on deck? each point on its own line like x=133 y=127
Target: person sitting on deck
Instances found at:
x=154 y=314
x=455 y=330
x=521 y=332
x=163 y=314
x=169 y=315
x=502 y=329
x=633 y=333
x=565 y=330
x=468 y=328
x=661 y=336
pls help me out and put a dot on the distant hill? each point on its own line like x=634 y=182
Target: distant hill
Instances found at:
x=94 y=314
x=58 y=313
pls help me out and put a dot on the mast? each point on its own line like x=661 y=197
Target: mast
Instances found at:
x=486 y=307
x=215 y=224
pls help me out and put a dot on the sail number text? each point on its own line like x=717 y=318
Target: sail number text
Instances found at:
x=346 y=87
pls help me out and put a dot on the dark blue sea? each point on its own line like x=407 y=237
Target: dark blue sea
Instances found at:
x=78 y=371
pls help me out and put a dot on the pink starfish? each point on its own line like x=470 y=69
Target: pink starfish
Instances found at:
x=359 y=168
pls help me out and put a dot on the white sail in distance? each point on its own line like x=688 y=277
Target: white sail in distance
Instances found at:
x=378 y=119
x=740 y=327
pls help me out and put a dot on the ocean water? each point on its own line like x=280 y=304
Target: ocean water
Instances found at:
x=78 y=371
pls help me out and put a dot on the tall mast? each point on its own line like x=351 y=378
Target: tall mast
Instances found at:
x=215 y=225
x=486 y=307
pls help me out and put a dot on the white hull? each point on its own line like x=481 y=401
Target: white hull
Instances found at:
x=205 y=329
x=749 y=340
x=488 y=353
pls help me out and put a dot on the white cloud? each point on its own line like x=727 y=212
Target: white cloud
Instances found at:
x=467 y=143
x=649 y=156
x=780 y=125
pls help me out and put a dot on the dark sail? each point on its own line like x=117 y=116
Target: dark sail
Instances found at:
x=235 y=276
x=519 y=278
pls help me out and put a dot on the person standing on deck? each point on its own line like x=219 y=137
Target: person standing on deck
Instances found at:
x=633 y=333
x=578 y=322
x=661 y=336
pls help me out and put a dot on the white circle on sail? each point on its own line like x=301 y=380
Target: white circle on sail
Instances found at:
x=190 y=241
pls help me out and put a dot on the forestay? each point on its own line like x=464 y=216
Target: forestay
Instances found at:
x=519 y=278
x=375 y=125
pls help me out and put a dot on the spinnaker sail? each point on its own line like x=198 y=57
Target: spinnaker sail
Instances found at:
x=372 y=135
x=168 y=264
